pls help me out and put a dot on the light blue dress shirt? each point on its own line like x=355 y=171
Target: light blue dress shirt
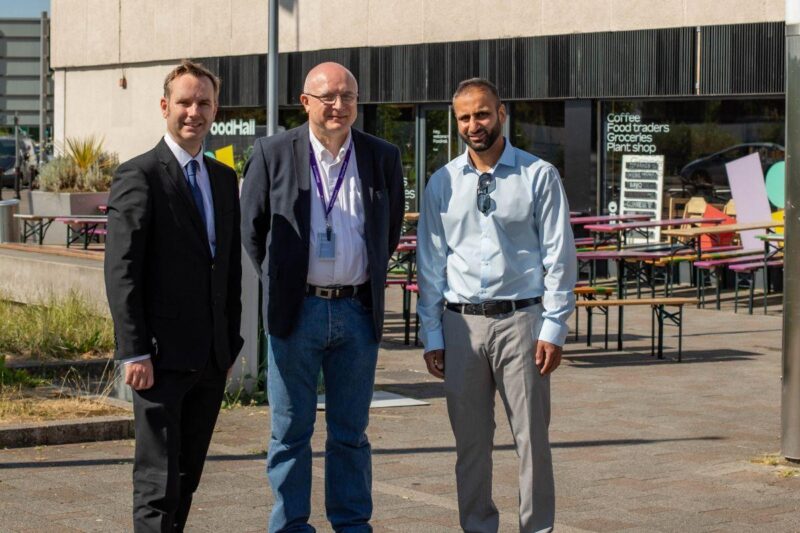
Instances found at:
x=523 y=248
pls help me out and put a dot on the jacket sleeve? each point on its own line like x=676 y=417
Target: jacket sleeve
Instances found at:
x=255 y=207
x=126 y=249
x=234 y=304
x=396 y=200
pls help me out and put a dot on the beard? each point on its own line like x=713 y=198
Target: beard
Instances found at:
x=491 y=137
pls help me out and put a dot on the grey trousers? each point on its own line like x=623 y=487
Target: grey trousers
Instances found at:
x=484 y=355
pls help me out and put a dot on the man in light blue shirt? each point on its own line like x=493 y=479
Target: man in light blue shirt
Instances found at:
x=497 y=269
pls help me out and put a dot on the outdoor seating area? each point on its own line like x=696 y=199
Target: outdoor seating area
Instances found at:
x=629 y=260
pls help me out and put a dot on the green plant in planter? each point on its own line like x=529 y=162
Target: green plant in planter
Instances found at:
x=85 y=167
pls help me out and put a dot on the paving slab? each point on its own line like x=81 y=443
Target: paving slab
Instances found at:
x=639 y=445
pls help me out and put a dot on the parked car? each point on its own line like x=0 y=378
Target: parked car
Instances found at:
x=707 y=175
x=7 y=160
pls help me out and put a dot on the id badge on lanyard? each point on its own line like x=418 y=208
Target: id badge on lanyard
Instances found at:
x=326 y=240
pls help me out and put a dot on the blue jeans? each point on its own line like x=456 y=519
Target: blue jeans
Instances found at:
x=338 y=337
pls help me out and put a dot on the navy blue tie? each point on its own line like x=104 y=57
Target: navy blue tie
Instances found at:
x=191 y=171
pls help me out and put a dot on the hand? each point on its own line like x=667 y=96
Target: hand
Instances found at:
x=548 y=357
x=435 y=361
x=139 y=375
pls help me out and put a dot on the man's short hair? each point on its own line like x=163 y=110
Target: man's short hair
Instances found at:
x=477 y=83
x=195 y=69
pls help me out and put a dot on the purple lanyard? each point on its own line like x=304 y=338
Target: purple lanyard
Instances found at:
x=318 y=180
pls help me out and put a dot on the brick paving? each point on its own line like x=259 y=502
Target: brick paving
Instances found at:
x=639 y=445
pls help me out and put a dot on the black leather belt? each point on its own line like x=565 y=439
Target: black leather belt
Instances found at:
x=336 y=291
x=492 y=308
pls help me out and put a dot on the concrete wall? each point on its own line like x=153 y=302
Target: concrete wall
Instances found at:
x=91 y=102
x=101 y=32
x=37 y=278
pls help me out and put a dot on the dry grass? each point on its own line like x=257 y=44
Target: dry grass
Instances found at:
x=782 y=468
x=62 y=328
x=768 y=459
x=19 y=406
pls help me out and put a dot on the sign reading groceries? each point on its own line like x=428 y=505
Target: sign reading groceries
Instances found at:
x=642 y=185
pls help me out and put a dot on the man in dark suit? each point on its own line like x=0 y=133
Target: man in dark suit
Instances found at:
x=322 y=206
x=173 y=279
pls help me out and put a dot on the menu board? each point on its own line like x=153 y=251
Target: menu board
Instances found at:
x=642 y=188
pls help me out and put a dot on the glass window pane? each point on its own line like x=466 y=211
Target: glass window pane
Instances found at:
x=696 y=139
x=538 y=128
x=397 y=124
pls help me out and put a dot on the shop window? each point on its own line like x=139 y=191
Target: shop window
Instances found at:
x=689 y=143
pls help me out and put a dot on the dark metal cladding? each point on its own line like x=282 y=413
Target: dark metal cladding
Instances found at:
x=739 y=59
x=743 y=59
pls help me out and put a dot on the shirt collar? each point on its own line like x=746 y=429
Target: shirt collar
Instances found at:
x=182 y=155
x=507 y=158
x=322 y=153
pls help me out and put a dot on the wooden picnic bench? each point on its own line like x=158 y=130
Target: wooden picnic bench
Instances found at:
x=745 y=278
x=692 y=237
x=660 y=316
x=589 y=292
x=88 y=228
x=34 y=226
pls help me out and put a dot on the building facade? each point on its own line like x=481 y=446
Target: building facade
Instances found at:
x=634 y=101
x=20 y=68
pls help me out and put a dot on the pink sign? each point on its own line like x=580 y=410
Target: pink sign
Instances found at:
x=749 y=192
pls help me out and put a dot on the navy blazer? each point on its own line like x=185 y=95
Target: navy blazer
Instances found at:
x=168 y=296
x=276 y=219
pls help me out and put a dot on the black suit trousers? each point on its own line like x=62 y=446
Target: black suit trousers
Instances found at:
x=174 y=421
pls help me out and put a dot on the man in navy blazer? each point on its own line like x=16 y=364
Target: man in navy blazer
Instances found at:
x=322 y=206
x=173 y=278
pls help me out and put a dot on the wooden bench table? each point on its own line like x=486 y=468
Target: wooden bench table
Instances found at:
x=34 y=226
x=87 y=228
x=660 y=316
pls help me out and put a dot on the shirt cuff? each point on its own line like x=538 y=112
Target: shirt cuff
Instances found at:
x=553 y=332
x=134 y=359
x=433 y=340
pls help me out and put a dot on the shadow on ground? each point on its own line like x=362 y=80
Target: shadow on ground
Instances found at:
x=596 y=358
x=375 y=451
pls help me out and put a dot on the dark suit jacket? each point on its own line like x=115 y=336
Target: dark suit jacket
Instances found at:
x=167 y=295
x=276 y=219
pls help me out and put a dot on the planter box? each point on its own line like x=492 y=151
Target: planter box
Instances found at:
x=65 y=203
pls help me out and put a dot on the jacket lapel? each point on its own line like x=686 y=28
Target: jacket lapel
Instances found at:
x=302 y=170
x=181 y=195
x=366 y=169
x=216 y=200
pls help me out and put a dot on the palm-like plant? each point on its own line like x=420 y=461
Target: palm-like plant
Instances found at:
x=84 y=167
x=85 y=152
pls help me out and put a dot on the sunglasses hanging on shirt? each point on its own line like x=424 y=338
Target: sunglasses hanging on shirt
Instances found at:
x=485 y=182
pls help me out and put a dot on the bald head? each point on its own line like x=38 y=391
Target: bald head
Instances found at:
x=330 y=97
x=330 y=72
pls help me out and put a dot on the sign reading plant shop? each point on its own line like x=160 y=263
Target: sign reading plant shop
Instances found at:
x=626 y=133
x=642 y=185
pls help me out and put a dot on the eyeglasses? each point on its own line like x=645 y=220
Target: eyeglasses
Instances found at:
x=484 y=200
x=330 y=99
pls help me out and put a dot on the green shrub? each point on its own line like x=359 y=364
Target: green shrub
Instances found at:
x=58 y=174
x=64 y=328
x=11 y=377
x=85 y=167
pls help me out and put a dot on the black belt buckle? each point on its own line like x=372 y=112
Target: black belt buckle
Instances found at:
x=326 y=292
x=502 y=307
x=332 y=292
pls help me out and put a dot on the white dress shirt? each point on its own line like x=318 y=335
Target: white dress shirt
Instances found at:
x=347 y=220
x=524 y=248
x=204 y=182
